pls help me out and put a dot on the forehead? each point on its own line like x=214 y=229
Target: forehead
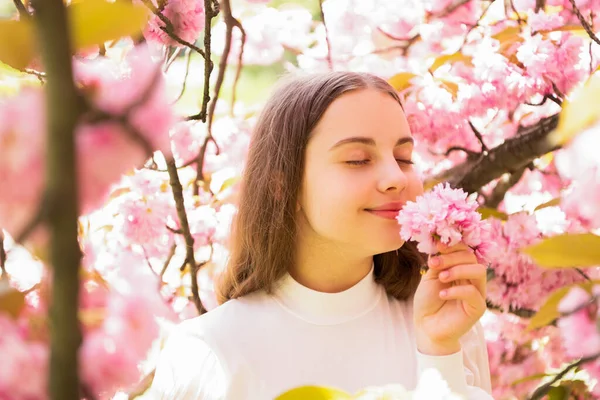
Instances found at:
x=365 y=112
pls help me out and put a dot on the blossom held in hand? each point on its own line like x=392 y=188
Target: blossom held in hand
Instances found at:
x=445 y=215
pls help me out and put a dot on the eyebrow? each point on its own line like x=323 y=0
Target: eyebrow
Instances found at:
x=370 y=141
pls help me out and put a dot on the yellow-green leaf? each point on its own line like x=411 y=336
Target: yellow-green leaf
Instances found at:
x=450 y=86
x=450 y=58
x=509 y=34
x=401 y=80
x=551 y=203
x=578 y=113
x=549 y=311
x=17 y=44
x=314 y=393
x=11 y=300
x=529 y=378
x=487 y=212
x=566 y=251
x=97 y=21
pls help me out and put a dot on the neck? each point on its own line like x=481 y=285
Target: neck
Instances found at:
x=326 y=267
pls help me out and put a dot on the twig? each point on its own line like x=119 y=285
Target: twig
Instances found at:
x=185 y=77
x=450 y=9
x=38 y=218
x=170 y=30
x=484 y=148
x=406 y=43
x=329 y=57
x=211 y=11
x=456 y=148
x=541 y=391
x=539 y=5
x=583 y=274
x=475 y=26
x=584 y=23
x=230 y=22
x=63 y=108
x=520 y=312
x=185 y=229
x=23 y=13
x=168 y=261
x=2 y=257
x=240 y=64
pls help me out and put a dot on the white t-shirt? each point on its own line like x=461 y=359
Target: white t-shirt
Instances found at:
x=261 y=345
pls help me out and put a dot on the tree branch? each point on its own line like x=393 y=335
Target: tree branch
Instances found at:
x=541 y=391
x=169 y=29
x=329 y=57
x=584 y=23
x=520 y=312
x=2 y=257
x=230 y=22
x=23 y=12
x=63 y=108
x=240 y=64
x=185 y=229
x=503 y=186
x=515 y=153
x=211 y=10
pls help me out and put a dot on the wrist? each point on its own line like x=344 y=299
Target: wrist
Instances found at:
x=437 y=348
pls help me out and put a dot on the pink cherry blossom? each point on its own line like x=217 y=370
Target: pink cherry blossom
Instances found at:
x=445 y=215
x=187 y=18
x=578 y=328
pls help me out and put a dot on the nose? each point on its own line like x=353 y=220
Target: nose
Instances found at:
x=391 y=177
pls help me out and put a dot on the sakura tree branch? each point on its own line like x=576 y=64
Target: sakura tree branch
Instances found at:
x=543 y=390
x=520 y=312
x=63 y=109
x=23 y=12
x=515 y=153
x=185 y=76
x=2 y=257
x=170 y=30
x=584 y=23
x=503 y=186
x=230 y=23
x=329 y=57
x=190 y=259
x=211 y=10
x=240 y=64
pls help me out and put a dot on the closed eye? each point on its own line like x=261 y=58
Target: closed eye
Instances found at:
x=364 y=162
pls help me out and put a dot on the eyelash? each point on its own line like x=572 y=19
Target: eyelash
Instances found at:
x=363 y=162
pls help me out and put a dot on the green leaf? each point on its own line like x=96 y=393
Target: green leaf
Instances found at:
x=401 y=80
x=551 y=203
x=529 y=378
x=227 y=183
x=566 y=251
x=450 y=58
x=314 y=393
x=97 y=21
x=11 y=300
x=549 y=311
x=487 y=212
x=17 y=44
x=558 y=393
x=578 y=113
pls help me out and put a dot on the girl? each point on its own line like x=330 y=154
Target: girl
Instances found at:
x=320 y=288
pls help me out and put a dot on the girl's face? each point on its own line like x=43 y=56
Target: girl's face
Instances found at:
x=358 y=160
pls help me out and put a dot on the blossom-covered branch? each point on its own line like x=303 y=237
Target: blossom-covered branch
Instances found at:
x=512 y=155
x=329 y=57
x=2 y=256
x=541 y=391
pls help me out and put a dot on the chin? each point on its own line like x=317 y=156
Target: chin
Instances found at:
x=385 y=246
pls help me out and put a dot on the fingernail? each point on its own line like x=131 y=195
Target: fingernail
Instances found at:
x=435 y=262
x=444 y=274
x=443 y=293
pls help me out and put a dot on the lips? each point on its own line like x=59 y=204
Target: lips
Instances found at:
x=388 y=214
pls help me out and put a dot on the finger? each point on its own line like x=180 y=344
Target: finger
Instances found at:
x=475 y=273
x=474 y=302
x=444 y=261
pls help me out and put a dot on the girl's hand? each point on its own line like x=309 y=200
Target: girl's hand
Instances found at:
x=449 y=300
